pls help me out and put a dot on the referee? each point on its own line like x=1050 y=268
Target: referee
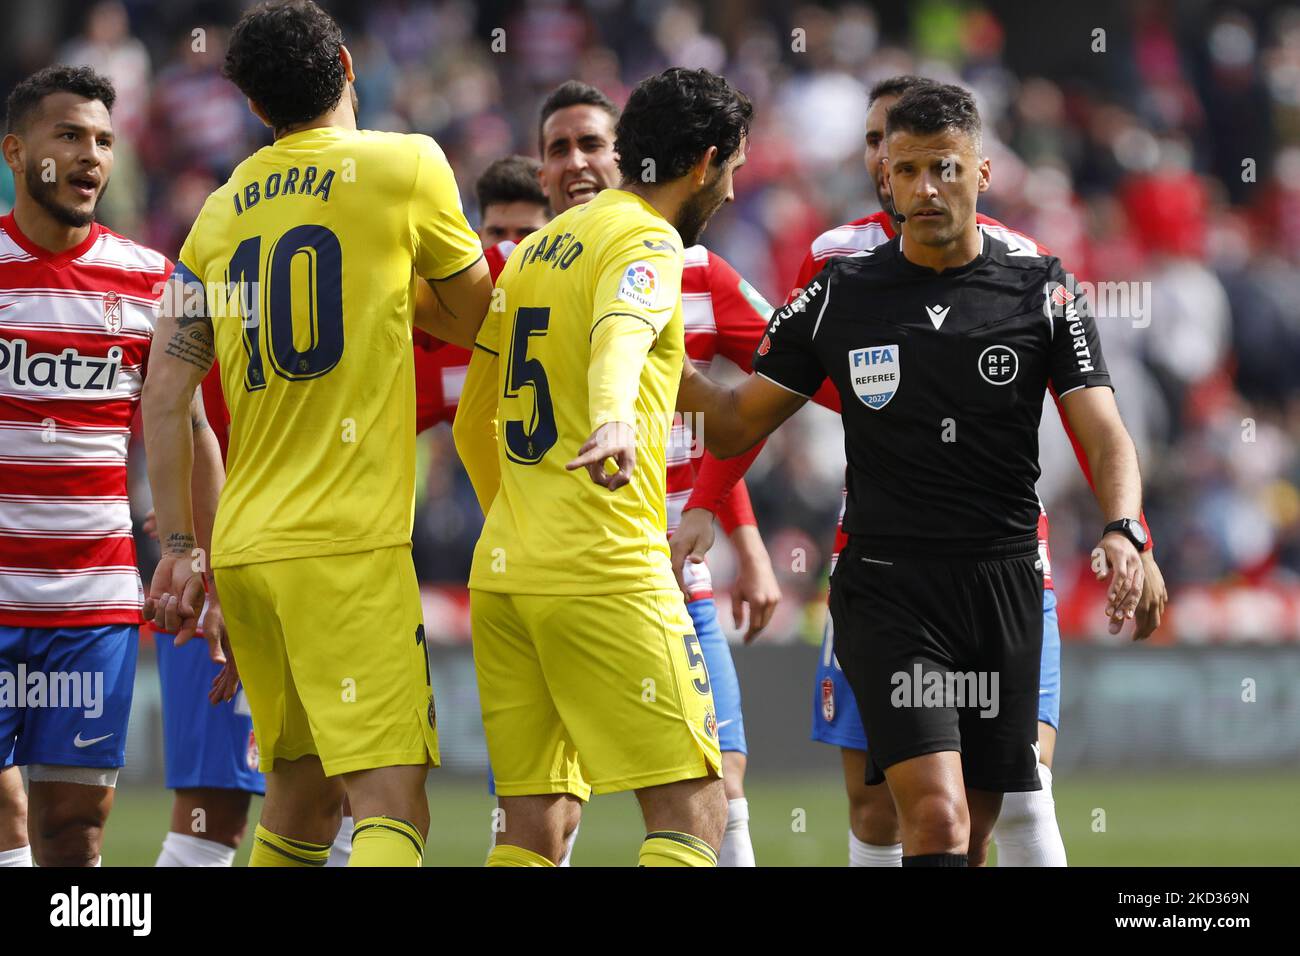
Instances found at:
x=942 y=343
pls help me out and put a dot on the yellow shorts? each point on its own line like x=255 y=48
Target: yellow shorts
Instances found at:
x=332 y=655
x=592 y=694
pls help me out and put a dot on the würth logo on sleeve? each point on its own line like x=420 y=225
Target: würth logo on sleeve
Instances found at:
x=113 y=312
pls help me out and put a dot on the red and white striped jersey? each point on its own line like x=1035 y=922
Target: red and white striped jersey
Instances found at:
x=75 y=330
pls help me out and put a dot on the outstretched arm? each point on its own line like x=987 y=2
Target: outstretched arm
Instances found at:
x=734 y=419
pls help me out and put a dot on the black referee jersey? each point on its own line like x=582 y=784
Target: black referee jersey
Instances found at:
x=937 y=599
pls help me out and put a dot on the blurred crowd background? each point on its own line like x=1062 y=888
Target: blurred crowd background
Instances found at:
x=1153 y=144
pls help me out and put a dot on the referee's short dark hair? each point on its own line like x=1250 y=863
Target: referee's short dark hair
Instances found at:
x=284 y=56
x=512 y=179
x=673 y=118
x=897 y=86
x=573 y=93
x=932 y=109
x=25 y=99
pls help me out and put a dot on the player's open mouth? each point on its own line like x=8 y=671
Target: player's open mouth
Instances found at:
x=927 y=214
x=582 y=190
x=85 y=186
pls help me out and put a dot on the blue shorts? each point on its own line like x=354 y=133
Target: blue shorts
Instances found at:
x=835 y=713
x=722 y=675
x=204 y=745
x=65 y=694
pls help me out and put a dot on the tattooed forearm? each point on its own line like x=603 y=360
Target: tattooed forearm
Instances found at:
x=193 y=343
x=180 y=543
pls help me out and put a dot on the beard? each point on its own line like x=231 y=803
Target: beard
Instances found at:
x=697 y=211
x=45 y=194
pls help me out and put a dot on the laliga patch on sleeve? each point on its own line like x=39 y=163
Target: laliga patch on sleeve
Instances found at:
x=640 y=285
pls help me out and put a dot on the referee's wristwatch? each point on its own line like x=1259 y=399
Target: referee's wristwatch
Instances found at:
x=1130 y=528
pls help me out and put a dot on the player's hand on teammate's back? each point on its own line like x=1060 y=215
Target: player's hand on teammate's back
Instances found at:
x=1151 y=606
x=176 y=597
x=691 y=542
x=755 y=582
x=1117 y=561
x=612 y=440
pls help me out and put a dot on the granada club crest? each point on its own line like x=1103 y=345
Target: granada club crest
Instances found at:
x=875 y=373
x=113 y=312
x=828 y=700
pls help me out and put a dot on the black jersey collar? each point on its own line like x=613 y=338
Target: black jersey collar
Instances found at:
x=909 y=267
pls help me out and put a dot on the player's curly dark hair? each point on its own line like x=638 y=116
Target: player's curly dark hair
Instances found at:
x=673 y=118
x=26 y=97
x=507 y=180
x=284 y=56
x=934 y=108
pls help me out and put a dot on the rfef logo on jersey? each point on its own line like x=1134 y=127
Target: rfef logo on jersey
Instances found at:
x=113 y=312
x=875 y=373
x=999 y=364
x=640 y=285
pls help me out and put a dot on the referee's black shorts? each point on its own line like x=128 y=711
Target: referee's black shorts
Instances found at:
x=942 y=653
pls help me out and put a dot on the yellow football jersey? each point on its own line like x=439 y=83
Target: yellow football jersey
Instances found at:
x=310 y=255
x=552 y=531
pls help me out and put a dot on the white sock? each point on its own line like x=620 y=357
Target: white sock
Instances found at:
x=182 y=849
x=568 y=847
x=737 y=848
x=868 y=854
x=19 y=856
x=341 y=849
x=1026 y=833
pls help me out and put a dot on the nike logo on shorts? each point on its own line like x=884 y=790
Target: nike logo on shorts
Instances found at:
x=79 y=743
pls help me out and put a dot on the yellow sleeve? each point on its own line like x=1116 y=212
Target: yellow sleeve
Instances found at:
x=641 y=275
x=475 y=426
x=443 y=241
x=619 y=345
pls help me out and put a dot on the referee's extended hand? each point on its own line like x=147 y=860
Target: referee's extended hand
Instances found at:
x=1117 y=561
x=612 y=440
